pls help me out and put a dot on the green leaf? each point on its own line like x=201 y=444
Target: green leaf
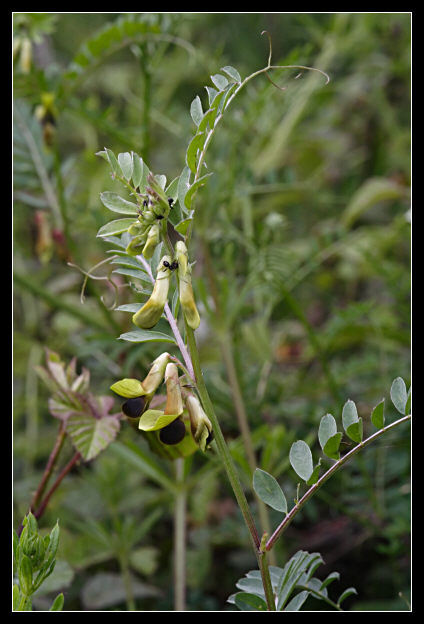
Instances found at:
x=128 y=388
x=399 y=395
x=57 y=603
x=144 y=559
x=329 y=579
x=355 y=431
x=25 y=574
x=126 y=164
x=16 y=597
x=315 y=474
x=188 y=198
x=301 y=459
x=196 y=110
x=137 y=174
x=91 y=435
x=249 y=602
x=327 y=429
x=183 y=186
x=331 y=447
x=142 y=335
x=232 y=72
x=351 y=423
x=153 y=420
x=116 y=203
x=373 y=191
x=268 y=490
x=347 y=592
x=194 y=146
x=296 y=602
x=408 y=402
x=111 y=159
x=377 y=415
x=219 y=81
x=182 y=226
x=115 y=227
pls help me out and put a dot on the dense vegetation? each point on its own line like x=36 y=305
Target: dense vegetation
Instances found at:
x=302 y=277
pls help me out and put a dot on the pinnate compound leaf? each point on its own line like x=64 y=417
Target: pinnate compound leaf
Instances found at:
x=399 y=395
x=249 y=602
x=268 y=490
x=301 y=459
x=377 y=415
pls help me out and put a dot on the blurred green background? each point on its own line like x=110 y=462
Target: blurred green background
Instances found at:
x=302 y=245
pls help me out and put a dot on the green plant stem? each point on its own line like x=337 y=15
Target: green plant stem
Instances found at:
x=266 y=580
x=145 y=121
x=239 y=407
x=220 y=441
x=336 y=466
x=180 y=538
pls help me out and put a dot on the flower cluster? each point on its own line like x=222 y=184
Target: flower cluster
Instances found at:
x=150 y=313
x=146 y=229
x=181 y=427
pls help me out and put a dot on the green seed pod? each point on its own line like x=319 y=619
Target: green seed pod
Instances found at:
x=153 y=238
x=173 y=433
x=150 y=313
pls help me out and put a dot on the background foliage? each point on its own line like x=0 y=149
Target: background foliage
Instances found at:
x=302 y=246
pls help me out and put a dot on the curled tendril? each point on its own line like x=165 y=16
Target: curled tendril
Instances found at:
x=269 y=66
x=89 y=274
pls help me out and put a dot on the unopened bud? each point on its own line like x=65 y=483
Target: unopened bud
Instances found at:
x=156 y=374
x=150 y=313
x=174 y=401
x=153 y=238
x=201 y=426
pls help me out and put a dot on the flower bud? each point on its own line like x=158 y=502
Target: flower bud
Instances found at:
x=182 y=257
x=160 y=204
x=155 y=376
x=150 y=313
x=174 y=401
x=135 y=245
x=153 y=238
x=187 y=300
x=201 y=426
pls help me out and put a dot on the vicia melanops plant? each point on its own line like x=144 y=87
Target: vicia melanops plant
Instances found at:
x=183 y=421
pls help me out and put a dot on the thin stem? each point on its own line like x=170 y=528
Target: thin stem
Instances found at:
x=220 y=441
x=180 y=538
x=56 y=484
x=338 y=464
x=126 y=578
x=49 y=467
